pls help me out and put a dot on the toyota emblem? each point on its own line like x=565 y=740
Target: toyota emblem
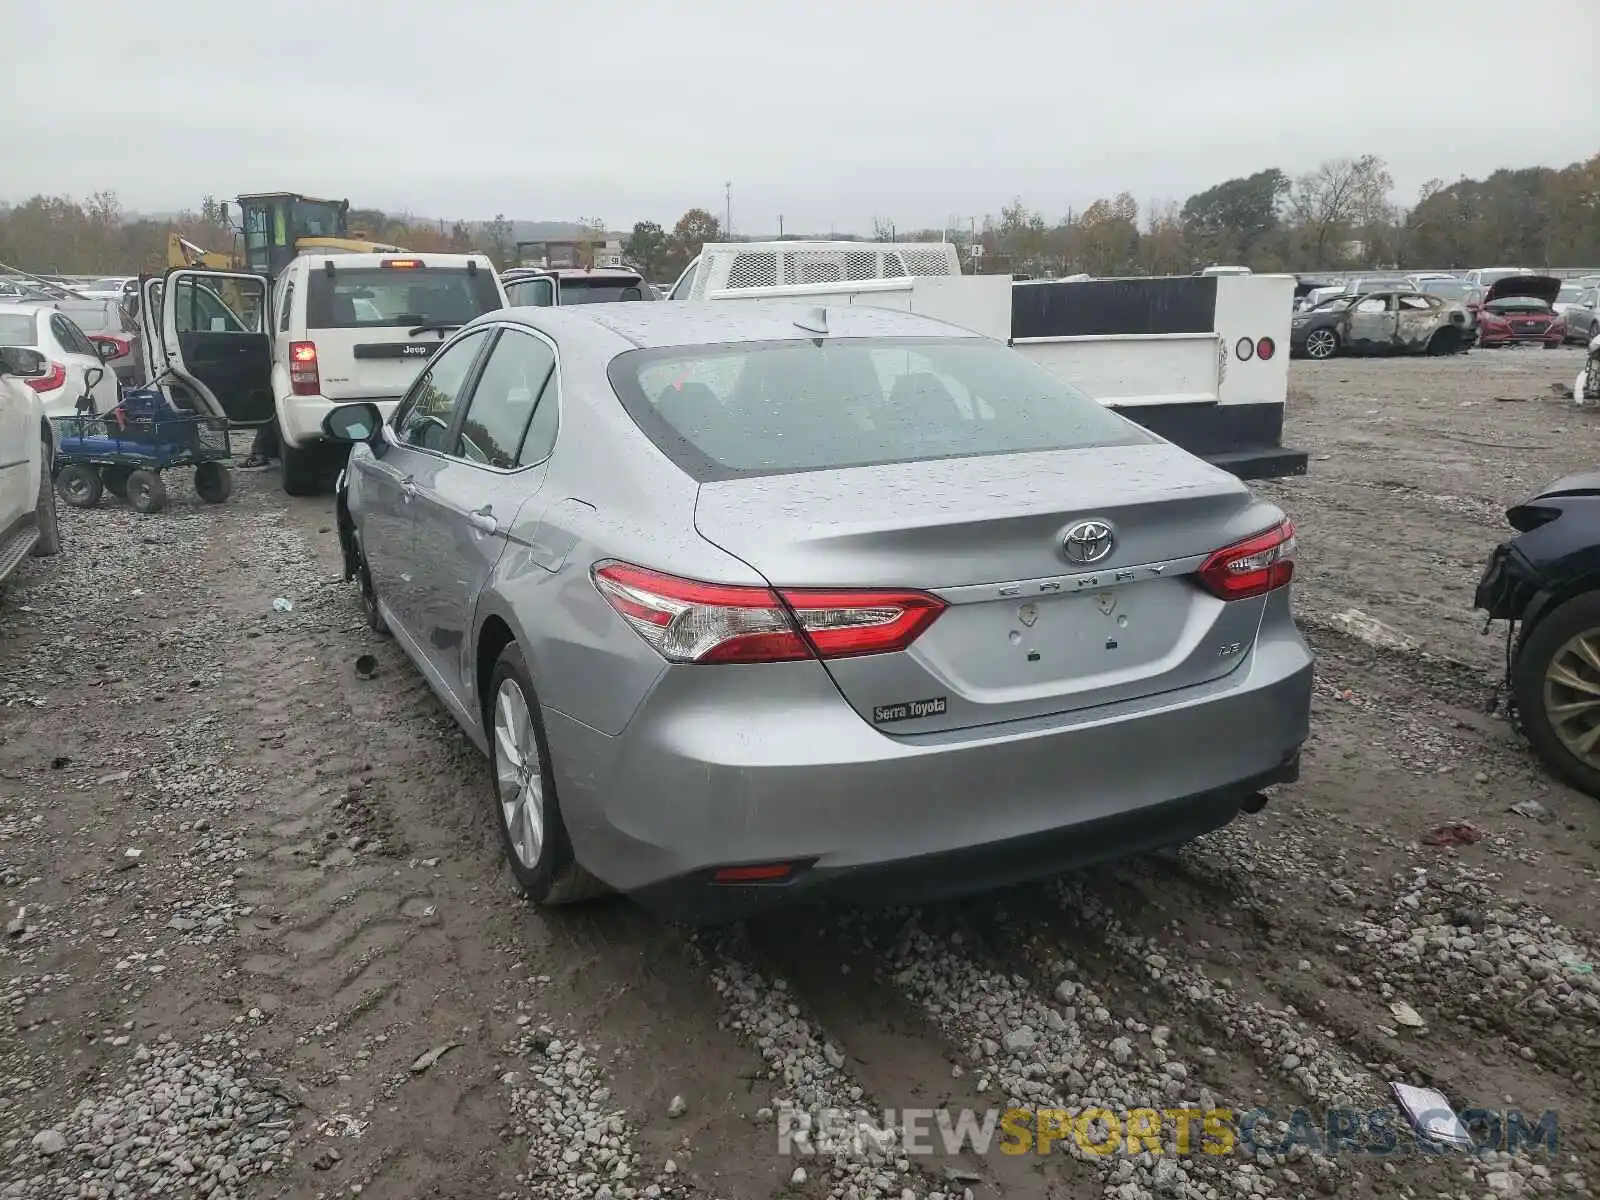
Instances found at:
x=1087 y=542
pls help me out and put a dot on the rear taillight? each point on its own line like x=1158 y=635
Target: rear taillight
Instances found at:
x=691 y=622
x=1266 y=348
x=303 y=378
x=49 y=382
x=1252 y=567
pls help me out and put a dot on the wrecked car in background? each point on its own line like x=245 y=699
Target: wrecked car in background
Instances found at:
x=1521 y=308
x=1397 y=322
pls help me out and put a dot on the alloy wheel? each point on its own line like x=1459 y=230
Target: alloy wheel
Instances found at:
x=1572 y=696
x=519 y=774
x=1321 y=343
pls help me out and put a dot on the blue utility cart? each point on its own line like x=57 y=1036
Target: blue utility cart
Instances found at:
x=128 y=448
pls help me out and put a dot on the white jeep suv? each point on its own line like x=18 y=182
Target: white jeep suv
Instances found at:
x=335 y=328
x=27 y=456
x=361 y=327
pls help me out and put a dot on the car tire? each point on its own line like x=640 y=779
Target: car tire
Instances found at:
x=146 y=492
x=48 y=544
x=79 y=485
x=302 y=470
x=1594 y=332
x=369 y=594
x=1445 y=341
x=213 y=482
x=1321 y=344
x=532 y=834
x=1549 y=647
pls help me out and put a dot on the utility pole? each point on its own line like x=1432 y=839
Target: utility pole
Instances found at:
x=780 y=227
x=727 y=211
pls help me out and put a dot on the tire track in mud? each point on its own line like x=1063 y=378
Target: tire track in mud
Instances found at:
x=411 y=938
x=358 y=941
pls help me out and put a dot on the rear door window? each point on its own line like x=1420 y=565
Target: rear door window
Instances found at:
x=398 y=297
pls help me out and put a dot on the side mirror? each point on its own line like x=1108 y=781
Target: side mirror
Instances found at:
x=630 y=293
x=23 y=362
x=353 y=422
x=106 y=350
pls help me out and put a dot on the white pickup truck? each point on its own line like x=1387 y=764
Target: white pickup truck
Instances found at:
x=1201 y=360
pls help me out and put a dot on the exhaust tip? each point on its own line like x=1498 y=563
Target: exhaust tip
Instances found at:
x=1253 y=803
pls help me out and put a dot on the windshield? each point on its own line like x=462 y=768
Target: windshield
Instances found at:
x=18 y=329
x=577 y=290
x=1450 y=289
x=766 y=408
x=368 y=297
x=1519 y=304
x=1338 y=302
x=1569 y=293
x=1495 y=274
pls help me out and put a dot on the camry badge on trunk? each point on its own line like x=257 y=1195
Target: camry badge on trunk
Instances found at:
x=1087 y=542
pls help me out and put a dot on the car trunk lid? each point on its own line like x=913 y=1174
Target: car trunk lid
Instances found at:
x=1028 y=632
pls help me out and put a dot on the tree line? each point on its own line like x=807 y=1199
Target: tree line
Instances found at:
x=1342 y=215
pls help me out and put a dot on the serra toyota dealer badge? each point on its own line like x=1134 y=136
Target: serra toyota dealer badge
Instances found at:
x=910 y=710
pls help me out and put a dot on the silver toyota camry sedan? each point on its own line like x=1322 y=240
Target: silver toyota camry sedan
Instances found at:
x=754 y=601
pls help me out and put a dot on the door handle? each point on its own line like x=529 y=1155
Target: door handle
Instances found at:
x=408 y=487
x=483 y=520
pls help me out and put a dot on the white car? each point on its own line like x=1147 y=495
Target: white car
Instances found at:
x=342 y=328
x=27 y=456
x=74 y=366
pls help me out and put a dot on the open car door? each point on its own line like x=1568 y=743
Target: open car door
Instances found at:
x=216 y=342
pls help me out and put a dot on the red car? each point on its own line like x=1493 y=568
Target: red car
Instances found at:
x=1518 y=309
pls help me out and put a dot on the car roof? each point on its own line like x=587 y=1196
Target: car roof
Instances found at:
x=633 y=325
x=515 y=274
x=33 y=307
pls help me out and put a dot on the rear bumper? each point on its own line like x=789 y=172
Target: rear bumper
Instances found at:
x=775 y=768
x=1244 y=439
x=300 y=417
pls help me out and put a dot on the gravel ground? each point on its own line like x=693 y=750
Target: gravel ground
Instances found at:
x=259 y=941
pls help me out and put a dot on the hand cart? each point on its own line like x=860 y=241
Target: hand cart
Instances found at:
x=127 y=448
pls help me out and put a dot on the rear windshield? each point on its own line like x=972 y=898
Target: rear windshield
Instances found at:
x=373 y=297
x=18 y=329
x=1450 y=289
x=608 y=291
x=767 y=408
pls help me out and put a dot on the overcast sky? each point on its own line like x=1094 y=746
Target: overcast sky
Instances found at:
x=827 y=112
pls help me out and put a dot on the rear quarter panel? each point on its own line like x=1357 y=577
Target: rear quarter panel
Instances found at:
x=608 y=494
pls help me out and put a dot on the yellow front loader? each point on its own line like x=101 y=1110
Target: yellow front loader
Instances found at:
x=276 y=226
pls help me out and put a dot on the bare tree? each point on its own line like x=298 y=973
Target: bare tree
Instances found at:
x=1329 y=202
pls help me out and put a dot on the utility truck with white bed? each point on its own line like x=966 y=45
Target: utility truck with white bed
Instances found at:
x=1201 y=360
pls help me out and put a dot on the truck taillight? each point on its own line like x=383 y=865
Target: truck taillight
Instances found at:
x=303 y=376
x=1266 y=348
x=1253 y=567
x=687 y=621
x=50 y=381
